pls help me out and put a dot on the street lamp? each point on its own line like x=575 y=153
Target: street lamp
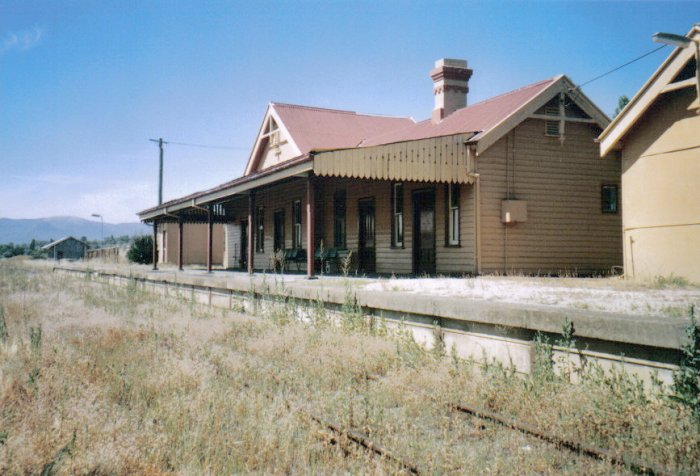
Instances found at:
x=102 y=223
x=681 y=41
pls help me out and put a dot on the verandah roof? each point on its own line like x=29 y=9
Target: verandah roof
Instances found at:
x=443 y=160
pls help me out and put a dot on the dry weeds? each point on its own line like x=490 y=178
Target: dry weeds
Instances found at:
x=124 y=382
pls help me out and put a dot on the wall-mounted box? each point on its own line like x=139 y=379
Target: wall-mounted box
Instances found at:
x=513 y=211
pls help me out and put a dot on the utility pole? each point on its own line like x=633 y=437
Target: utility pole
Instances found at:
x=102 y=223
x=160 y=169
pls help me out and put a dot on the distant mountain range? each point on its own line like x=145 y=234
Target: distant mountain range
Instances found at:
x=20 y=230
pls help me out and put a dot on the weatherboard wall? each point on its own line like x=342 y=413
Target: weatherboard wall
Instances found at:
x=661 y=190
x=566 y=230
x=194 y=245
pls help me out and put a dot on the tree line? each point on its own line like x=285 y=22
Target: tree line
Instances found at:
x=33 y=249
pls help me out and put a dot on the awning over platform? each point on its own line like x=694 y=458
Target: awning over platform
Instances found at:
x=438 y=159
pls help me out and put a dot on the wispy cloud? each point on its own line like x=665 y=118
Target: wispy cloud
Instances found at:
x=21 y=40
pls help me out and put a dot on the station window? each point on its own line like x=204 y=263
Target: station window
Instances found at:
x=453 y=214
x=609 y=198
x=339 y=235
x=260 y=230
x=296 y=215
x=397 y=215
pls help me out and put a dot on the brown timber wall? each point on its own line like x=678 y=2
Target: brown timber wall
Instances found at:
x=453 y=260
x=400 y=260
x=271 y=199
x=566 y=230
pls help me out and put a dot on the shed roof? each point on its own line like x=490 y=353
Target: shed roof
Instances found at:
x=57 y=242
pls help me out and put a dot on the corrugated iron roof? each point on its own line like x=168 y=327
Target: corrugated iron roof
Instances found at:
x=314 y=128
x=477 y=118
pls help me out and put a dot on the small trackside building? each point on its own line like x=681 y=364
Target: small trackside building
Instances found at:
x=658 y=138
x=512 y=184
x=66 y=248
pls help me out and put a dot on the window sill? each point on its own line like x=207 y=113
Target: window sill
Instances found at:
x=457 y=245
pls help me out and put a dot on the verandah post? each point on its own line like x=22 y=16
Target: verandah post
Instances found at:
x=210 y=224
x=154 y=248
x=251 y=229
x=180 y=239
x=310 y=242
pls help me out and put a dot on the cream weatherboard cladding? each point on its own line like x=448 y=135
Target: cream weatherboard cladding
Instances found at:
x=661 y=191
x=658 y=137
x=194 y=248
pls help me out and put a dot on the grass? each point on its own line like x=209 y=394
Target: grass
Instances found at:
x=113 y=380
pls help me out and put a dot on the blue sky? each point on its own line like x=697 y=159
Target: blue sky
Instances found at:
x=84 y=85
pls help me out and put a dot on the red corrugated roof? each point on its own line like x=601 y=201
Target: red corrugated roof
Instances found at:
x=314 y=128
x=479 y=117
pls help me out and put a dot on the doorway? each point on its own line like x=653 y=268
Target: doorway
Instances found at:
x=367 y=254
x=424 y=231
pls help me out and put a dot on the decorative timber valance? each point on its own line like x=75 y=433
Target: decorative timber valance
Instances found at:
x=438 y=159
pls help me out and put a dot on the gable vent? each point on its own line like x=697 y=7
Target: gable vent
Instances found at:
x=551 y=110
x=551 y=128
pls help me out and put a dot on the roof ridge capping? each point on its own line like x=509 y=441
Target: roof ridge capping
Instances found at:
x=339 y=111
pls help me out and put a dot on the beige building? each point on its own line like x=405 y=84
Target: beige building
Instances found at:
x=194 y=244
x=512 y=184
x=658 y=137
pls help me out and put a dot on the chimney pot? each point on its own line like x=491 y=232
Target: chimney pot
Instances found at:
x=450 y=86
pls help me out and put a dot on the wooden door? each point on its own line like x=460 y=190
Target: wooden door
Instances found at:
x=367 y=254
x=424 y=232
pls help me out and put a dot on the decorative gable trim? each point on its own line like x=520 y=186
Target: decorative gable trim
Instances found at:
x=562 y=85
x=659 y=83
x=263 y=138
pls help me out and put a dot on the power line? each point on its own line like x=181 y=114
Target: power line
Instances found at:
x=205 y=146
x=619 y=67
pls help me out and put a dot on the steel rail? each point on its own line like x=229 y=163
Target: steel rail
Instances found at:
x=363 y=441
x=590 y=451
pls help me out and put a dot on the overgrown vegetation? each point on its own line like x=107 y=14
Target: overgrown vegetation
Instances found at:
x=686 y=380
x=97 y=379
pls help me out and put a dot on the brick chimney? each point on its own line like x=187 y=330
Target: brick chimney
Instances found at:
x=450 y=86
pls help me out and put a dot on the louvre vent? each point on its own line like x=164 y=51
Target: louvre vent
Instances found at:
x=551 y=128
x=551 y=110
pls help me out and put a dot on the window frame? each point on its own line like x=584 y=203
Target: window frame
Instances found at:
x=340 y=214
x=398 y=223
x=606 y=201
x=297 y=224
x=452 y=215
x=260 y=229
